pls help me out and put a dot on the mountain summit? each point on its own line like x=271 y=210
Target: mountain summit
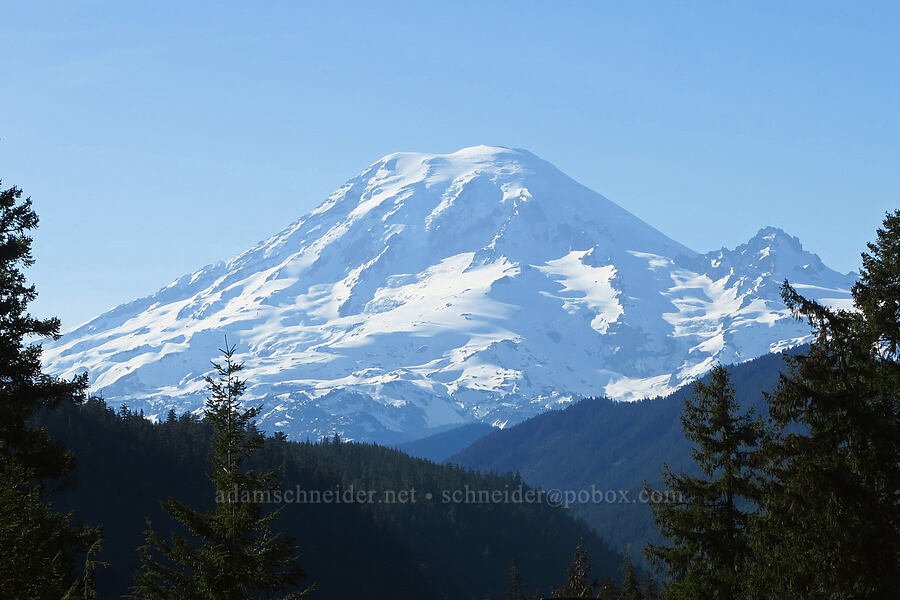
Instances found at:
x=434 y=290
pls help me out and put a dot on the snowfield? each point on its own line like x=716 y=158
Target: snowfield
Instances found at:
x=435 y=290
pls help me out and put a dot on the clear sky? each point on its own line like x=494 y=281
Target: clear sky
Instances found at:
x=155 y=138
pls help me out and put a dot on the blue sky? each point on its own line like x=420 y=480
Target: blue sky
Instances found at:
x=155 y=139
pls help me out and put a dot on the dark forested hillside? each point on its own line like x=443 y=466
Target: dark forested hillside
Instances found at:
x=383 y=549
x=611 y=446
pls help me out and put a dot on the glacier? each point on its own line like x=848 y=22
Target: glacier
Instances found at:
x=435 y=290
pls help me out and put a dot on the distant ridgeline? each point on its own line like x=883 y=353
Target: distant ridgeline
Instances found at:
x=610 y=446
x=398 y=550
x=441 y=446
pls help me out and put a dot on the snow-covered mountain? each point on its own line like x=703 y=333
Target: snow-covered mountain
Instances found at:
x=434 y=290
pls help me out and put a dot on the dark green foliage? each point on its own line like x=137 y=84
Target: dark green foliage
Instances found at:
x=126 y=464
x=631 y=589
x=832 y=511
x=702 y=516
x=85 y=588
x=613 y=446
x=238 y=555
x=649 y=587
x=37 y=543
x=579 y=581
x=39 y=546
x=609 y=589
x=23 y=387
x=877 y=293
x=516 y=588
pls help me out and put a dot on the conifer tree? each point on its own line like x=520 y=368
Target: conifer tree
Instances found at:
x=36 y=542
x=630 y=587
x=24 y=388
x=236 y=554
x=84 y=588
x=608 y=590
x=39 y=545
x=649 y=587
x=515 y=589
x=579 y=583
x=702 y=516
x=831 y=525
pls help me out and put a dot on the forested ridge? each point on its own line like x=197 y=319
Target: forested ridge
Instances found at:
x=613 y=446
x=126 y=465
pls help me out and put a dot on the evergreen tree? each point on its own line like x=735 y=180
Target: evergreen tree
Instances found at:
x=516 y=587
x=630 y=587
x=831 y=526
x=608 y=589
x=702 y=516
x=649 y=587
x=238 y=555
x=877 y=293
x=578 y=583
x=39 y=546
x=85 y=588
x=24 y=389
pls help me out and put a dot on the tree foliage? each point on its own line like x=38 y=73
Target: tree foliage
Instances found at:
x=579 y=581
x=832 y=506
x=238 y=555
x=39 y=545
x=24 y=388
x=126 y=463
x=706 y=518
x=631 y=588
x=515 y=589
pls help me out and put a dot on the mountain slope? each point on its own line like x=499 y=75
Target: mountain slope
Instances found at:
x=611 y=445
x=441 y=446
x=603 y=442
x=409 y=548
x=432 y=291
